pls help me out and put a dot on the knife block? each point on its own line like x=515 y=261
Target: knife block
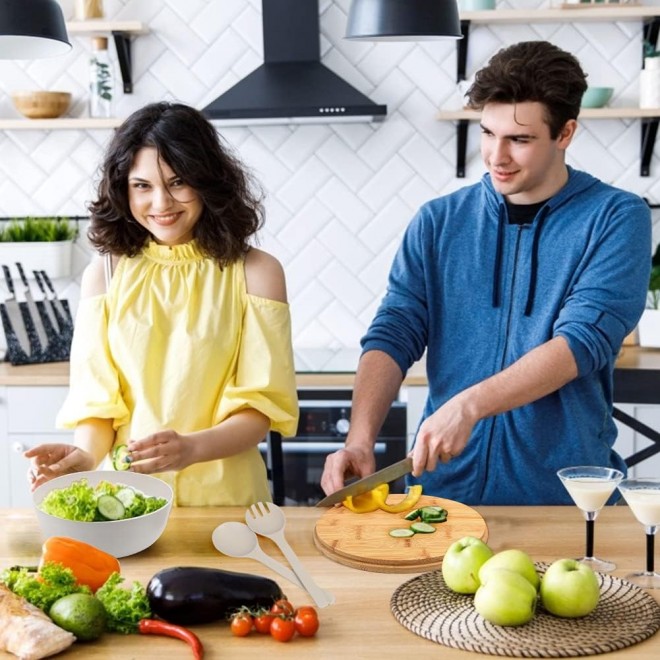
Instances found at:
x=58 y=347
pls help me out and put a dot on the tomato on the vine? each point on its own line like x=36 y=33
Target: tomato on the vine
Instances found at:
x=282 y=629
x=262 y=621
x=282 y=607
x=306 y=621
x=241 y=624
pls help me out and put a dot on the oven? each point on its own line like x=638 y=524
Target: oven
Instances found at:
x=295 y=464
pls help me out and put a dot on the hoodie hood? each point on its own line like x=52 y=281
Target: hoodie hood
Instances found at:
x=292 y=85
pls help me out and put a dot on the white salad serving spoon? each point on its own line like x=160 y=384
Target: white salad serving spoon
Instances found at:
x=235 y=539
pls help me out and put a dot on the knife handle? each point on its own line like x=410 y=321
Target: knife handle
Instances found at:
x=21 y=272
x=46 y=279
x=40 y=284
x=10 y=282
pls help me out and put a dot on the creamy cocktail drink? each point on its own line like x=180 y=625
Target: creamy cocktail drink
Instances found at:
x=643 y=498
x=589 y=493
x=590 y=486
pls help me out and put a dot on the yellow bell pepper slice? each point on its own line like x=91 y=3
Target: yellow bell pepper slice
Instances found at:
x=367 y=502
x=411 y=498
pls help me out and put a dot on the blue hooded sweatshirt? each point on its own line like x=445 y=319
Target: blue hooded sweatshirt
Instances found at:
x=477 y=293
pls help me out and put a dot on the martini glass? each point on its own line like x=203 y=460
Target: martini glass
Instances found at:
x=590 y=487
x=643 y=497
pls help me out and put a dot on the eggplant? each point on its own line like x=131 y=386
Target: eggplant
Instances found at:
x=188 y=595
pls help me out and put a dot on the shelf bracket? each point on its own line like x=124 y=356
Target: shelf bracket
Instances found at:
x=461 y=146
x=462 y=51
x=649 y=133
x=123 y=46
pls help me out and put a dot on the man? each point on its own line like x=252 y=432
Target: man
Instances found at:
x=521 y=289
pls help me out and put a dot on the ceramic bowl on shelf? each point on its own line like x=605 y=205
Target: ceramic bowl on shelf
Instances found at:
x=40 y=104
x=119 y=538
x=596 y=97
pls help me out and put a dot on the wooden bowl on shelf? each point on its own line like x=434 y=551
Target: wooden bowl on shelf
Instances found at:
x=41 y=105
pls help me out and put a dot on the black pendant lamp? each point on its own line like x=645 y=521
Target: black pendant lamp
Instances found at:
x=403 y=20
x=30 y=29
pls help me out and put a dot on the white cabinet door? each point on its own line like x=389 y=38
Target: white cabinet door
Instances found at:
x=30 y=421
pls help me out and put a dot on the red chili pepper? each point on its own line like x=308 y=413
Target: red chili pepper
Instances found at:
x=155 y=627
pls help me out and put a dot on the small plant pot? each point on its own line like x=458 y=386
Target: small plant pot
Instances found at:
x=54 y=257
x=649 y=328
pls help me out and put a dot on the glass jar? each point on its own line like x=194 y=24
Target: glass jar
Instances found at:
x=101 y=81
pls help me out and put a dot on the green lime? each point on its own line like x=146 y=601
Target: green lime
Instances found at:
x=80 y=614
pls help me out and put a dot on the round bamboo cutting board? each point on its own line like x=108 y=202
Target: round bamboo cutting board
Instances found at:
x=362 y=540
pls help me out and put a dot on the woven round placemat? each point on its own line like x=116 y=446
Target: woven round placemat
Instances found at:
x=625 y=616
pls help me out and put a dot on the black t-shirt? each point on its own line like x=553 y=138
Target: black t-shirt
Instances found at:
x=523 y=214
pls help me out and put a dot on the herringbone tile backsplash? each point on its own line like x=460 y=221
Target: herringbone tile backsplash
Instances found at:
x=338 y=195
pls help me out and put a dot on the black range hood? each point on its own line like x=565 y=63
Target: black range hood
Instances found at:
x=292 y=85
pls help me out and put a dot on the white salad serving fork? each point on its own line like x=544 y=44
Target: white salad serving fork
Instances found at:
x=267 y=519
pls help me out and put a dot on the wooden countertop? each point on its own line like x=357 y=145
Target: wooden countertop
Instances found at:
x=360 y=623
x=57 y=373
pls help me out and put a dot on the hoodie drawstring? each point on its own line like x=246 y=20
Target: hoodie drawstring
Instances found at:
x=533 y=270
x=498 y=258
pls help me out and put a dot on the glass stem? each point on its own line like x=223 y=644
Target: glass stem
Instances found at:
x=649 y=552
x=590 y=538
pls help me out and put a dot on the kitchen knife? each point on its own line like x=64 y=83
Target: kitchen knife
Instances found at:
x=48 y=305
x=15 y=315
x=63 y=312
x=33 y=310
x=384 y=476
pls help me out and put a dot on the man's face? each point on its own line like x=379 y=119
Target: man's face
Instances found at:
x=525 y=164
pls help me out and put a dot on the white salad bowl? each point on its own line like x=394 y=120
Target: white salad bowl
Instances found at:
x=120 y=538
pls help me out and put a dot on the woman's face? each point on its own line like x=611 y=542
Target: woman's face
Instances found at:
x=160 y=201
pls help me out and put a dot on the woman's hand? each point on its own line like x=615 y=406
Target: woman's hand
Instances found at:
x=160 y=452
x=54 y=460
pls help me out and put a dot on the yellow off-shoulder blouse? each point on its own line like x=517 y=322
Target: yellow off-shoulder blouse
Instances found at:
x=177 y=342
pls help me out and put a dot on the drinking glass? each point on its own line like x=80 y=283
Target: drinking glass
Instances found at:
x=643 y=497
x=590 y=486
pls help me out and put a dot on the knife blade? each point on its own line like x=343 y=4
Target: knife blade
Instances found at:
x=63 y=312
x=15 y=315
x=33 y=310
x=390 y=473
x=48 y=305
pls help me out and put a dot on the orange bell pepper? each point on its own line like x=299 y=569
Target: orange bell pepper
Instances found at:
x=408 y=502
x=366 y=502
x=89 y=565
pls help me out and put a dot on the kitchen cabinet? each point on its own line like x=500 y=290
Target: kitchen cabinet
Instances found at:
x=649 y=15
x=27 y=419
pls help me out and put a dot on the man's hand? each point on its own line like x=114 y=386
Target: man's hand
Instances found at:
x=351 y=461
x=443 y=435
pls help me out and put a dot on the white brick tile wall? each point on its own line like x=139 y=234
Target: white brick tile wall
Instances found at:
x=338 y=196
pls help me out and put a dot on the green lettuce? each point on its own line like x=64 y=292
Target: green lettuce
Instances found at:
x=125 y=608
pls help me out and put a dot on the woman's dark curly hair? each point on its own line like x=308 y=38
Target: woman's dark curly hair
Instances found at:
x=189 y=144
x=536 y=71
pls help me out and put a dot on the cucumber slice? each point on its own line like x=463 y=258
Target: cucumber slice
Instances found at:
x=126 y=496
x=422 y=528
x=119 y=456
x=110 y=507
x=413 y=515
x=402 y=533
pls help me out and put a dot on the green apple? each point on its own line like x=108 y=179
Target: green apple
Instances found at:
x=505 y=598
x=569 y=589
x=461 y=564
x=513 y=560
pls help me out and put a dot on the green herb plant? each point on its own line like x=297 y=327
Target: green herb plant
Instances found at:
x=32 y=230
x=653 y=300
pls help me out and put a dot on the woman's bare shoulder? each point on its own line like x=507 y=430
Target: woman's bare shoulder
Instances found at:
x=93 y=281
x=264 y=275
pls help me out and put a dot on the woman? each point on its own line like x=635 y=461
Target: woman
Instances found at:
x=182 y=347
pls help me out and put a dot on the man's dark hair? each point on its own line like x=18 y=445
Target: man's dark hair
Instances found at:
x=536 y=71
x=190 y=145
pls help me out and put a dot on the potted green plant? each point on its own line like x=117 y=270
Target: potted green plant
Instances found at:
x=38 y=244
x=649 y=324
